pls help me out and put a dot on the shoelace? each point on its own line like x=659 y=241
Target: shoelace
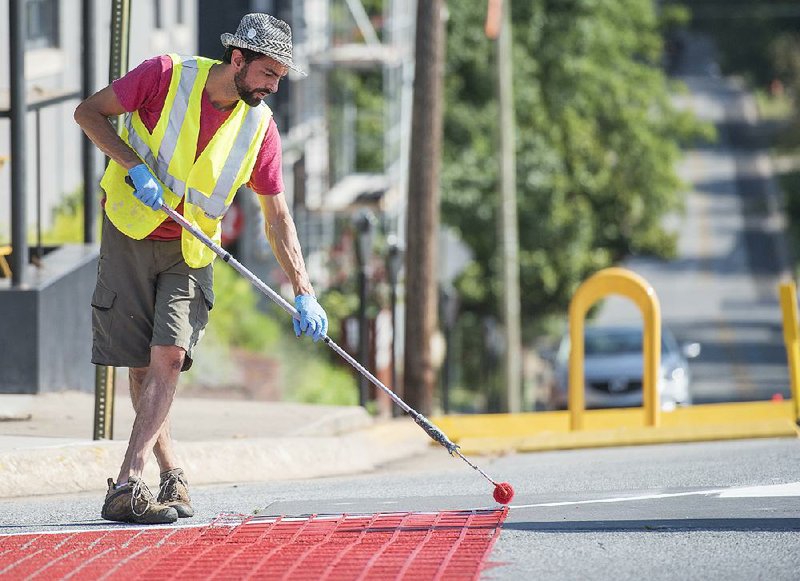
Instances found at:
x=171 y=481
x=140 y=490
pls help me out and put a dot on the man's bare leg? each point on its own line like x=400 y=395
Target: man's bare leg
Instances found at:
x=165 y=455
x=154 y=402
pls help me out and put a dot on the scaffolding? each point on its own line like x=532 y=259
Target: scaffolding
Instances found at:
x=334 y=35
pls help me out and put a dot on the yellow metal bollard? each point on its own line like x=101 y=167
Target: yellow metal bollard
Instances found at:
x=788 y=292
x=4 y=267
x=629 y=284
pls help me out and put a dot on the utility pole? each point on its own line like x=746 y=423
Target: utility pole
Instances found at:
x=498 y=26
x=423 y=205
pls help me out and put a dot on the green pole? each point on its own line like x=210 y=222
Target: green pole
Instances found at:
x=117 y=66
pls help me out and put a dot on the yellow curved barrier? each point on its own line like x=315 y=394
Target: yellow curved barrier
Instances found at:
x=4 y=267
x=601 y=284
x=788 y=294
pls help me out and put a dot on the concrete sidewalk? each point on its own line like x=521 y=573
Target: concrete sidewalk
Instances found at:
x=216 y=440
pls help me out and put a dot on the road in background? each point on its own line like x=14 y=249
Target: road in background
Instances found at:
x=722 y=290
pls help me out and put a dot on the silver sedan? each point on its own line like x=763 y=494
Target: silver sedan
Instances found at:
x=613 y=369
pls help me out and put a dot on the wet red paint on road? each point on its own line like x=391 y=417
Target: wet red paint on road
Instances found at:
x=441 y=545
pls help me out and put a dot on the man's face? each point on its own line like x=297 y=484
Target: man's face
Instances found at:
x=259 y=78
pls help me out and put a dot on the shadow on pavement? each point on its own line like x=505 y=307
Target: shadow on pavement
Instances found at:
x=661 y=525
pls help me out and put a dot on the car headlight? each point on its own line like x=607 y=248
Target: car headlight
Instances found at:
x=674 y=373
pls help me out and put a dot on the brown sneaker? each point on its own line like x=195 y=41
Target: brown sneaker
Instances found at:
x=133 y=502
x=174 y=492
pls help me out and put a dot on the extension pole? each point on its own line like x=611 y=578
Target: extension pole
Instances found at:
x=435 y=433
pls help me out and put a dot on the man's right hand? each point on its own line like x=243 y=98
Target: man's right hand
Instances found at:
x=146 y=187
x=313 y=320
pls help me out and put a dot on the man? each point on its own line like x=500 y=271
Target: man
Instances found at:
x=196 y=130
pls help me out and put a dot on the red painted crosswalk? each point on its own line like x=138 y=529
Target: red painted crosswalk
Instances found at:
x=440 y=545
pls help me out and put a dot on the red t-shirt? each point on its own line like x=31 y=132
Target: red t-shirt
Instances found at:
x=144 y=89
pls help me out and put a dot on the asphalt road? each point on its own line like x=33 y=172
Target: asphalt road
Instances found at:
x=722 y=290
x=658 y=512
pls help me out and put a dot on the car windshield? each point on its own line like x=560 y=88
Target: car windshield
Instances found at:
x=605 y=341
x=612 y=342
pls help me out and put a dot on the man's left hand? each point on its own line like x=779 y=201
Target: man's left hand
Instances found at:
x=313 y=320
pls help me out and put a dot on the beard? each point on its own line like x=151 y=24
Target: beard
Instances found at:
x=247 y=93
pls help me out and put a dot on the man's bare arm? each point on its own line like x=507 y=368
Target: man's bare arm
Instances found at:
x=282 y=236
x=92 y=116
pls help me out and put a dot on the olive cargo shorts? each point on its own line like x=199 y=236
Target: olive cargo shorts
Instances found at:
x=146 y=295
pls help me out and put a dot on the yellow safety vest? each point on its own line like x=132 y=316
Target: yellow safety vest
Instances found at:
x=207 y=185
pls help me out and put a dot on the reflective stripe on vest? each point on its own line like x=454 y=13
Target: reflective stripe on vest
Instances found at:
x=188 y=77
x=212 y=203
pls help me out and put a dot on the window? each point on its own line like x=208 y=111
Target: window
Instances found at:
x=42 y=24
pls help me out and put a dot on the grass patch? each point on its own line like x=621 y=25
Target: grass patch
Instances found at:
x=309 y=378
x=773 y=107
x=67 y=225
x=307 y=373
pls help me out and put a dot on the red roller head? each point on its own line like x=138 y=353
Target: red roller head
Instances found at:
x=503 y=492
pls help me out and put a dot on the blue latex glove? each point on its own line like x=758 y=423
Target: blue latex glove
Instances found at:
x=146 y=187
x=313 y=320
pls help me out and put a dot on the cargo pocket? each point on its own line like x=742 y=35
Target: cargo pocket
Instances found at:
x=200 y=307
x=204 y=279
x=102 y=315
x=198 y=315
x=208 y=295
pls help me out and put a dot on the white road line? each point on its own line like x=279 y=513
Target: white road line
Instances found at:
x=773 y=490
x=621 y=498
x=101 y=529
x=790 y=489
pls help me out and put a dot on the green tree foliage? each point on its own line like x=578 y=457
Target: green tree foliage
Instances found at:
x=597 y=144
x=785 y=52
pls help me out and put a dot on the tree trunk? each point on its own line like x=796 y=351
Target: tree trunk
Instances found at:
x=423 y=206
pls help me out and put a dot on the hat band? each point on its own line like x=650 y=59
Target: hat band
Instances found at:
x=270 y=48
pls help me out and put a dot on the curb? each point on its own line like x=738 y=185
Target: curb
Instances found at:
x=540 y=431
x=86 y=466
x=630 y=437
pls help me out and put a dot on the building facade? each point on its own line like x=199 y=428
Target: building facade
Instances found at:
x=53 y=41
